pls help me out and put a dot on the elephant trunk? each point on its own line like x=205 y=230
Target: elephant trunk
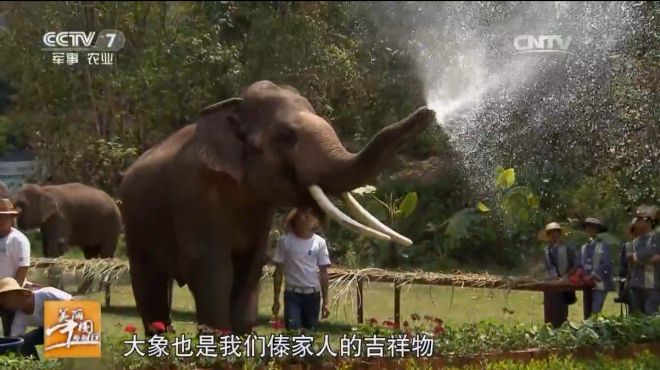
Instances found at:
x=347 y=171
x=341 y=171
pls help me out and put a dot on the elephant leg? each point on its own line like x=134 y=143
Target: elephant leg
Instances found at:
x=91 y=251
x=53 y=234
x=245 y=293
x=152 y=290
x=210 y=283
x=107 y=248
x=50 y=243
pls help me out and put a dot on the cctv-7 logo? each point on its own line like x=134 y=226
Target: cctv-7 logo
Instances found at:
x=112 y=38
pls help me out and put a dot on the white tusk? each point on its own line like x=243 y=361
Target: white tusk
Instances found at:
x=339 y=216
x=363 y=215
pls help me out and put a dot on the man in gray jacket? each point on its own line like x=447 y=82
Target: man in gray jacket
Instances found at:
x=596 y=262
x=644 y=263
x=561 y=261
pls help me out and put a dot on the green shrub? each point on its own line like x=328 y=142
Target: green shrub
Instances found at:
x=645 y=361
x=13 y=362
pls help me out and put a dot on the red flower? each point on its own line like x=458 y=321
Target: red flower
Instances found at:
x=438 y=330
x=391 y=324
x=225 y=331
x=158 y=326
x=130 y=329
x=373 y=321
x=415 y=317
x=277 y=324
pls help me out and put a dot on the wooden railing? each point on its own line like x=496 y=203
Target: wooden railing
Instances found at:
x=398 y=280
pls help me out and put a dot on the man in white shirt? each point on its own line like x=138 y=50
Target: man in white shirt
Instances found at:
x=302 y=256
x=29 y=308
x=14 y=253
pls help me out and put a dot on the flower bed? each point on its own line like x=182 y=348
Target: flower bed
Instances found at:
x=469 y=344
x=617 y=337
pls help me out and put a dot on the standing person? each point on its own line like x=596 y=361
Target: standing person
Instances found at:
x=302 y=257
x=561 y=261
x=644 y=263
x=29 y=308
x=596 y=262
x=14 y=254
x=624 y=268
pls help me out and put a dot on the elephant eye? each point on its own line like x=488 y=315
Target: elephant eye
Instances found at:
x=286 y=138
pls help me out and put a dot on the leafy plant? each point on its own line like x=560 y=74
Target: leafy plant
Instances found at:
x=13 y=362
x=396 y=208
x=554 y=362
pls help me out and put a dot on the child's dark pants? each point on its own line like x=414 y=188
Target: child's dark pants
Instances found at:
x=301 y=310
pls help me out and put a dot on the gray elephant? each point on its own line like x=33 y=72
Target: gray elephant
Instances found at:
x=70 y=215
x=198 y=207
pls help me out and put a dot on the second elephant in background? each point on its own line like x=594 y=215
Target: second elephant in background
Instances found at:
x=70 y=215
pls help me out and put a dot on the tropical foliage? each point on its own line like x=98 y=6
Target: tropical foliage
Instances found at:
x=89 y=123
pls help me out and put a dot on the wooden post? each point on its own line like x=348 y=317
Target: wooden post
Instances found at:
x=107 y=294
x=360 y=302
x=397 y=303
x=547 y=307
x=587 y=299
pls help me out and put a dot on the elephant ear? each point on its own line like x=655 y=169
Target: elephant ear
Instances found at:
x=219 y=139
x=48 y=206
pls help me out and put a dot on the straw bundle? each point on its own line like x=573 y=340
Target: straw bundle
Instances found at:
x=96 y=272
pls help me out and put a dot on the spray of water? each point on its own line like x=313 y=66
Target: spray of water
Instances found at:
x=475 y=77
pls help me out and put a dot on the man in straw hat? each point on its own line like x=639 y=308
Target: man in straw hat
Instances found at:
x=644 y=263
x=14 y=253
x=561 y=261
x=624 y=268
x=29 y=308
x=596 y=262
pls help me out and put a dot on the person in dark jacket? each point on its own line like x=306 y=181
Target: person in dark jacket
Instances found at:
x=561 y=261
x=644 y=262
x=624 y=268
x=596 y=262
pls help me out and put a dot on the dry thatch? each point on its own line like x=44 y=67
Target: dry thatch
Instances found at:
x=109 y=271
x=97 y=273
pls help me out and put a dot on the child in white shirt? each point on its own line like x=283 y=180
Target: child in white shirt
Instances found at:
x=302 y=257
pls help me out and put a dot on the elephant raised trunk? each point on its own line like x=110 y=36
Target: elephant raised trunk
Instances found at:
x=347 y=171
x=342 y=171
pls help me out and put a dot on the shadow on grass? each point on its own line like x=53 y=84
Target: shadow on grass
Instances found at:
x=329 y=327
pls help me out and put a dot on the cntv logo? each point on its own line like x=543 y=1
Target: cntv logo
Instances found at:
x=525 y=44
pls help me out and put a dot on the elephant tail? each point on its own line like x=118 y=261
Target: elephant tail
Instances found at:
x=118 y=203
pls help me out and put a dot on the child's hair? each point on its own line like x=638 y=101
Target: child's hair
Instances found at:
x=292 y=217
